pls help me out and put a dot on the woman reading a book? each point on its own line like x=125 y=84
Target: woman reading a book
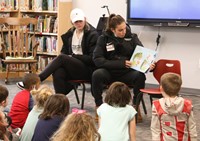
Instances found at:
x=75 y=60
x=112 y=57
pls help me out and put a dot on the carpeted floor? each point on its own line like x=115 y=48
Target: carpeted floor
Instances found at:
x=143 y=132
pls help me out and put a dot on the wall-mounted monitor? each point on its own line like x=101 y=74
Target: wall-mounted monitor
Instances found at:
x=164 y=12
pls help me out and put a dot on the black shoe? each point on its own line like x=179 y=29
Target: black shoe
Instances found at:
x=20 y=85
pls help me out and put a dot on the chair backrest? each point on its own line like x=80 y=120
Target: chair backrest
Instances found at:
x=101 y=26
x=164 y=66
x=18 y=36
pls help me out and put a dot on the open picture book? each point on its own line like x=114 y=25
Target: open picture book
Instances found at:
x=142 y=58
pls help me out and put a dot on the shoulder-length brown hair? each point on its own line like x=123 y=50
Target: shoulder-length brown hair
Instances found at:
x=118 y=94
x=56 y=105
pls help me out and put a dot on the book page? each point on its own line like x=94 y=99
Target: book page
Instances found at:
x=142 y=58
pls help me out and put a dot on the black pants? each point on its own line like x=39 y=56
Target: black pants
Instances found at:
x=102 y=77
x=65 y=68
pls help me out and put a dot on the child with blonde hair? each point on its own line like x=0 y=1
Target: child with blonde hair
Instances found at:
x=116 y=116
x=172 y=116
x=78 y=126
x=39 y=96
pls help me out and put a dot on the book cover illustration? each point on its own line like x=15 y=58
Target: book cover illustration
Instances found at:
x=142 y=58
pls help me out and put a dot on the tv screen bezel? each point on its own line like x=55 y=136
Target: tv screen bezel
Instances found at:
x=161 y=21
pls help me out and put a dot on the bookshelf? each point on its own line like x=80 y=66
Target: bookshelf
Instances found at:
x=59 y=11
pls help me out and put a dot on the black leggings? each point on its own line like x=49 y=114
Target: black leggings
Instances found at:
x=102 y=77
x=65 y=68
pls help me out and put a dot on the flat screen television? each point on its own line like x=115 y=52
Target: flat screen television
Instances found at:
x=164 y=12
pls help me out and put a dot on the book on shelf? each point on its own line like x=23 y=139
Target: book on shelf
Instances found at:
x=142 y=58
x=47 y=44
x=55 y=27
x=45 y=5
x=8 y=5
x=46 y=23
x=49 y=22
x=44 y=45
x=50 y=5
x=55 y=5
x=52 y=21
x=4 y=15
x=37 y=5
x=43 y=61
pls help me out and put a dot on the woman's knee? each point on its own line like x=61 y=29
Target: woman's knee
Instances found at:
x=62 y=56
x=100 y=78
x=99 y=74
x=138 y=75
x=59 y=73
x=141 y=76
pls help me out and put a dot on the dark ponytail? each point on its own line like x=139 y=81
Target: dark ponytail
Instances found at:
x=113 y=21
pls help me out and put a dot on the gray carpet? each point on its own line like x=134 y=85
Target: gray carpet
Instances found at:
x=143 y=132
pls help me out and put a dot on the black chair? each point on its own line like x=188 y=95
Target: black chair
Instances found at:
x=82 y=83
x=101 y=24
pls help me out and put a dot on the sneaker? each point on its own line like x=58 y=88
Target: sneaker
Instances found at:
x=17 y=131
x=20 y=85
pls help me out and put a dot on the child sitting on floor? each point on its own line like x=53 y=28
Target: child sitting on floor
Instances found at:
x=55 y=110
x=23 y=102
x=116 y=116
x=172 y=116
x=6 y=132
x=39 y=97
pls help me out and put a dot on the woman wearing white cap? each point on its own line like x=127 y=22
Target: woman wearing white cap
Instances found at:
x=75 y=60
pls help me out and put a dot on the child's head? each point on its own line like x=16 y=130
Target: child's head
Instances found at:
x=31 y=81
x=3 y=125
x=56 y=105
x=3 y=96
x=41 y=95
x=79 y=127
x=118 y=94
x=171 y=84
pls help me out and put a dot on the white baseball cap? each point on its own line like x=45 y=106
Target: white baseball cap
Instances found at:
x=77 y=15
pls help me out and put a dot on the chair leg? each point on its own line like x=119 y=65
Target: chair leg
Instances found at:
x=7 y=72
x=151 y=100
x=144 y=106
x=33 y=68
x=83 y=96
x=76 y=94
x=30 y=68
x=138 y=99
